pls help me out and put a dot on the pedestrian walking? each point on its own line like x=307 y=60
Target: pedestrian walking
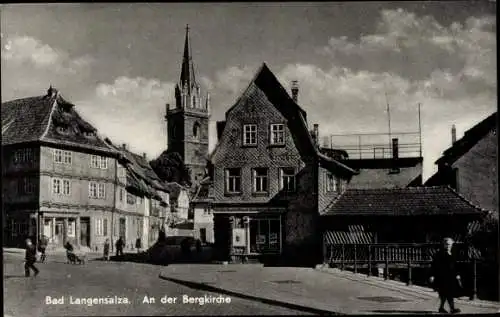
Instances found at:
x=444 y=276
x=119 y=246
x=30 y=259
x=106 y=248
x=42 y=247
x=138 y=245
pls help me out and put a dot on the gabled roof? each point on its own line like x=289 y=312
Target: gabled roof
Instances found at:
x=402 y=202
x=203 y=193
x=40 y=119
x=141 y=178
x=470 y=138
x=296 y=117
x=174 y=189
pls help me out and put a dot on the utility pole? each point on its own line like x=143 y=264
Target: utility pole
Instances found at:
x=419 y=130
x=388 y=115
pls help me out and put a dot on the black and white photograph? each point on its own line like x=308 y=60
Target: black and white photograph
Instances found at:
x=249 y=158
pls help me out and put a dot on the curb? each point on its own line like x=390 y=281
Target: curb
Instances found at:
x=399 y=286
x=274 y=302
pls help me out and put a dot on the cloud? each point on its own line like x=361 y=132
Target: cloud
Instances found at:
x=413 y=47
x=450 y=71
x=130 y=110
x=30 y=66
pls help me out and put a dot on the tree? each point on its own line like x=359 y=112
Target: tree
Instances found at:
x=170 y=167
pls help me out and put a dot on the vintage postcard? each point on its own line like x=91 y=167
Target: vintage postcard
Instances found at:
x=267 y=158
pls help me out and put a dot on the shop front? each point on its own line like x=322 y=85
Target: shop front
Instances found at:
x=249 y=236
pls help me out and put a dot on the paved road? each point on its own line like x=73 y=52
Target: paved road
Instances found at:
x=26 y=296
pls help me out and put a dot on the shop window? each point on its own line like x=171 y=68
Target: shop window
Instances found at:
x=265 y=236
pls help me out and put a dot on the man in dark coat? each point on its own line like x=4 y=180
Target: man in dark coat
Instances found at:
x=30 y=259
x=445 y=277
x=119 y=246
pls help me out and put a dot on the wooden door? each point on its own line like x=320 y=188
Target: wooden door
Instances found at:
x=123 y=228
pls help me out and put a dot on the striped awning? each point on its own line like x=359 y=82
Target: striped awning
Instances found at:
x=344 y=237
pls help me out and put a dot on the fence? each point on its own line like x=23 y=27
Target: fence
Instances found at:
x=377 y=145
x=409 y=255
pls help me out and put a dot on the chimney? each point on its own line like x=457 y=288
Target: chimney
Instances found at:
x=326 y=142
x=316 y=134
x=52 y=92
x=395 y=149
x=295 y=91
x=144 y=155
x=124 y=146
x=453 y=134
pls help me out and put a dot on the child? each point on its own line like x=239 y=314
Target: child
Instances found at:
x=106 y=250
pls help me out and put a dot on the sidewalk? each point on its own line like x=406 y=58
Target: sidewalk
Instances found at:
x=307 y=289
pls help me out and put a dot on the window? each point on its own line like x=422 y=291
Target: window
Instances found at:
x=277 y=134
x=23 y=156
x=98 y=161
x=287 y=179
x=196 y=130
x=265 y=235
x=99 y=227
x=233 y=180
x=130 y=199
x=139 y=200
x=250 y=134
x=101 y=192
x=71 y=227
x=104 y=162
x=260 y=180
x=56 y=186
x=105 y=227
x=94 y=161
x=121 y=194
x=66 y=187
x=93 y=190
x=26 y=185
x=333 y=184
x=63 y=157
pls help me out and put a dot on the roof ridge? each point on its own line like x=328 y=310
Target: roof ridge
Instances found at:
x=49 y=119
x=466 y=200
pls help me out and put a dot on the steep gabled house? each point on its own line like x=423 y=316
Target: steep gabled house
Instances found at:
x=57 y=173
x=470 y=165
x=269 y=177
x=142 y=200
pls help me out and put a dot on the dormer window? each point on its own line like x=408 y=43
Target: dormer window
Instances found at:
x=333 y=183
x=62 y=130
x=89 y=134
x=250 y=134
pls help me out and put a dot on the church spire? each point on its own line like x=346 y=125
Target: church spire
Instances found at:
x=187 y=73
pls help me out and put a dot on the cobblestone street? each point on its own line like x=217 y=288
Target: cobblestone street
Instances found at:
x=26 y=296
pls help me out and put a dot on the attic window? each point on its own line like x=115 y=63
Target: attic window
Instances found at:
x=89 y=134
x=63 y=130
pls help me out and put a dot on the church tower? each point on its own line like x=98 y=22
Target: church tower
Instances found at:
x=187 y=122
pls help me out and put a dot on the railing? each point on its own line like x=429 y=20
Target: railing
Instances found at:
x=407 y=255
x=377 y=145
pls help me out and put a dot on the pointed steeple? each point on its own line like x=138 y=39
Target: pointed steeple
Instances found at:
x=187 y=72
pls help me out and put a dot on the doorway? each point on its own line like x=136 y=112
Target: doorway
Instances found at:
x=123 y=227
x=59 y=232
x=85 y=232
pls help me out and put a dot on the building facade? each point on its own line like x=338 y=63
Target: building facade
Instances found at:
x=470 y=165
x=269 y=178
x=187 y=121
x=203 y=215
x=58 y=175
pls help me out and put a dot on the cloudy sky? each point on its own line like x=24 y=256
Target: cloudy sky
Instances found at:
x=119 y=62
